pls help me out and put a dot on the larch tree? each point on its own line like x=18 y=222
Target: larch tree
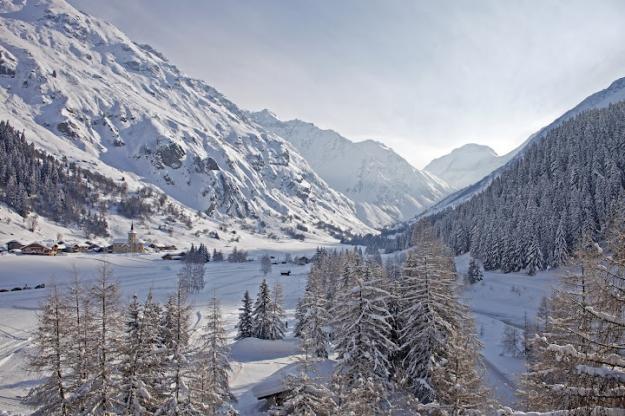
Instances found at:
x=437 y=340
x=362 y=336
x=175 y=337
x=51 y=344
x=103 y=385
x=578 y=365
x=209 y=383
x=265 y=264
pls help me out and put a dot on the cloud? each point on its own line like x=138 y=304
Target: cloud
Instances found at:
x=423 y=77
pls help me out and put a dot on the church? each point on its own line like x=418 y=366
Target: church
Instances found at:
x=132 y=245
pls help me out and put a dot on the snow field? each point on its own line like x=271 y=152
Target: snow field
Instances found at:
x=252 y=359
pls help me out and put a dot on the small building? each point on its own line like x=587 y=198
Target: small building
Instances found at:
x=130 y=245
x=173 y=256
x=163 y=247
x=14 y=245
x=37 y=249
x=275 y=388
x=302 y=261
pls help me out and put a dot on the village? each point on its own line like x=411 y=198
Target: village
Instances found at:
x=117 y=246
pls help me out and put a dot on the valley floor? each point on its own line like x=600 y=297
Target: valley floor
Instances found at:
x=504 y=300
x=493 y=301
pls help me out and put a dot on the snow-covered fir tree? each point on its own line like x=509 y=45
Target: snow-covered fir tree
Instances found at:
x=474 y=273
x=142 y=361
x=313 y=316
x=263 y=314
x=245 y=326
x=278 y=316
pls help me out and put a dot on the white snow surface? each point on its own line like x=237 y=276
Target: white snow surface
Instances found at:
x=384 y=186
x=466 y=165
x=253 y=360
x=499 y=301
x=81 y=88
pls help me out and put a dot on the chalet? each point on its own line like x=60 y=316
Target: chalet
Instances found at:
x=130 y=245
x=14 y=245
x=173 y=256
x=301 y=261
x=275 y=388
x=163 y=247
x=37 y=249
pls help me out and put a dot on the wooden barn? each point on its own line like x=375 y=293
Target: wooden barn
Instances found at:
x=38 y=249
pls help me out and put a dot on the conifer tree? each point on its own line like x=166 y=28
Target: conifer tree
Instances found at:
x=51 y=342
x=577 y=365
x=278 y=316
x=142 y=361
x=436 y=334
x=103 y=385
x=209 y=383
x=262 y=315
x=560 y=250
x=534 y=257
x=175 y=336
x=314 y=318
x=474 y=274
x=245 y=325
x=362 y=338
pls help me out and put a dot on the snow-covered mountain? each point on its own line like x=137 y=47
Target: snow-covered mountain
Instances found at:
x=466 y=165
x=82 y=89
x=384 y=186
x=613 y=94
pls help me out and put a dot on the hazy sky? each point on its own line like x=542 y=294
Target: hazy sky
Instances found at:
x=424 y=77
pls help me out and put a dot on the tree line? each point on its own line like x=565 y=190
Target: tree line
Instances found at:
x=32 y=180
x=563 y=189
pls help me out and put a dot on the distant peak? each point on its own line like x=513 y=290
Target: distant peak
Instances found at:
x=35 y=10
x=475 y=147
x=264 y=116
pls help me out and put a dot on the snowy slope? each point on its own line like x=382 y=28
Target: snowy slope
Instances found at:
x=384 y=186
x=80 y=88
x=466 y=165
x=613 y=94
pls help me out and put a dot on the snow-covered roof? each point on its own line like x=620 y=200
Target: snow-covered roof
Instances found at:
x=277 y=382
x=120 y=241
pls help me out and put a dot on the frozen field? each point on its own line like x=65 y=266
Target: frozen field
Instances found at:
x=253 y=360
x=499 y=300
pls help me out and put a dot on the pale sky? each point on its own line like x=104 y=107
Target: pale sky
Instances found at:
x=423 y=77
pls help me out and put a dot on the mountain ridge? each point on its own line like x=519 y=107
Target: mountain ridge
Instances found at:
x=361 y=170
x=85 y=90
